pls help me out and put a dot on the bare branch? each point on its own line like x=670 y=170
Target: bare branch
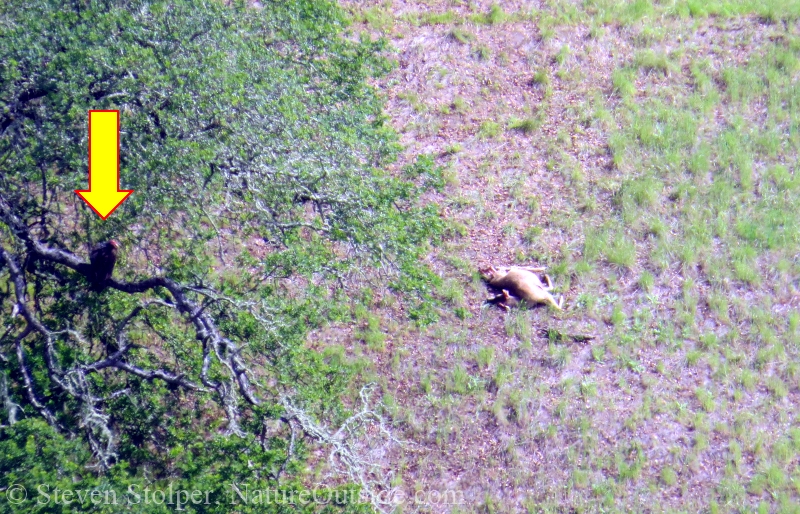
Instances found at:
x=9 y=405
x=290 y=450
x=26 y=377
x=206 y=332
x=350 y=450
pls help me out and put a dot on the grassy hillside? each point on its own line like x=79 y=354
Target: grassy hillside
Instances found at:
x=646 y=153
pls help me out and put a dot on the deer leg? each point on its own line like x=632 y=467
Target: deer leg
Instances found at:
x=531 y=268
x=552 y=301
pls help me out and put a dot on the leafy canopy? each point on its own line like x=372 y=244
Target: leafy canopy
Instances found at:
x=255 y=148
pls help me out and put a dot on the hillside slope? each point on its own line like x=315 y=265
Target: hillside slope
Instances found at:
x=646 y=154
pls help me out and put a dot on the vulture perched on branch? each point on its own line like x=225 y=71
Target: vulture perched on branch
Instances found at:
x=103 y=257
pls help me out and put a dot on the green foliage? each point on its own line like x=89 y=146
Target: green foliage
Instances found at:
x=434 y=18
x=489 y=129
x=541 y=78
x=527 y=125
x=623 y=82
x=47 y=465
x=255 y=148
x=425 y=169
x=494 y=16
x=483 y=52
x=652 y=61
x=461 y=35
x=233 y=123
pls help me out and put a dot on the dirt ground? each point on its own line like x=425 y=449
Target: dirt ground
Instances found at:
x=489 y=405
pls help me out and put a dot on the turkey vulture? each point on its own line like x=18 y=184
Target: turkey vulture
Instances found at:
x=102 y=258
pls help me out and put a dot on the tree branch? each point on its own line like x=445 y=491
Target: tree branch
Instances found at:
x=206 y=331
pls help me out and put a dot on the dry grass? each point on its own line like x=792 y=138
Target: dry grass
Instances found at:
x=647 y=156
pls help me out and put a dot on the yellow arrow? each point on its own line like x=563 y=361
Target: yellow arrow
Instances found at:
x=104 y=194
